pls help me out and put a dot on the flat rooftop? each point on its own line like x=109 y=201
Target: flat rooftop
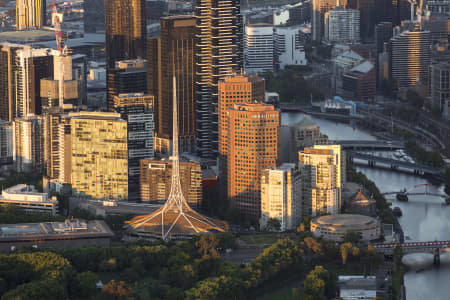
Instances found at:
x=26 y=36
x=70 y=229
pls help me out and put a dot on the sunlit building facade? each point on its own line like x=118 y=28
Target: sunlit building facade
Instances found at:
x=99 y=155
x=281 y=196
x=238 y=89
x=323 y=168
x=125 y=26
x=30 y=14
x=410 y=55
x=253 y=145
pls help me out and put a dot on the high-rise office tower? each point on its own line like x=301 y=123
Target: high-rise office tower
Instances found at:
x=218 y=55
x=342 y=26
x=173 y=52
x=49 y=93
x=319 y=8
x=155 y=181
x=440 y=84
x=30 y=14
x=368 y=16
x=21 y=69
x=238 y=89
x=258 y=48
x=410 y=56
x=323 y=170
x=253 y=145
x=281 y=196
x=128 y=76
x=137 y=110
x=94 y=16
x=57 y=145
x=125 y=25
x=99 y=164
x=383 y=34
x=28 y=143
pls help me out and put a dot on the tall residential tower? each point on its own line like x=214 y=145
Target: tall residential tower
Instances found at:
x=218 y=54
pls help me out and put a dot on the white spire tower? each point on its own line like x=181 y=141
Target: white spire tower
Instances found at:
x=175 y=219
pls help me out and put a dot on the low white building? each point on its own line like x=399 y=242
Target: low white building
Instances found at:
x=281 y=196
x=288 y=49
x=29 y=199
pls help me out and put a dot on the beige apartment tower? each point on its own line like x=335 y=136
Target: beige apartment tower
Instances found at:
x=30 y=14
x=322 y=170
x=99 y=155
x=281 y=196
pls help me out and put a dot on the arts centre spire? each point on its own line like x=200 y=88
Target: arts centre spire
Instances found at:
x=175 y=219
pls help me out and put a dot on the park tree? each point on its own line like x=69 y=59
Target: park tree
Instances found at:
x=320 y=284
x=114 y=290
x=345 y=250
x=84 y=284
x=37 y=289
x=313 y=245
x=273 y=224
x=352 y=237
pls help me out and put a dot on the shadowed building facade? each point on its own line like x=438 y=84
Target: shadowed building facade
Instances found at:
x=173 y=52
x=155 y=181
x=253 y=145
x=319 y=8
x=137 y=110
x=218 y=55
x=125 y=26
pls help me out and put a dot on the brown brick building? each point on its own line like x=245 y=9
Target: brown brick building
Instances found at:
x=252 y=145
x=156 y=180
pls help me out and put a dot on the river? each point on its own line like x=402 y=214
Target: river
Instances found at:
x=424 y=218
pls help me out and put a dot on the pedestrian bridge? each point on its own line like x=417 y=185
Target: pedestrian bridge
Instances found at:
x=420 y=190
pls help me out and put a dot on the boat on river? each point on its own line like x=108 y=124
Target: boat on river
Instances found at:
x=402 y=196
x=397 y=211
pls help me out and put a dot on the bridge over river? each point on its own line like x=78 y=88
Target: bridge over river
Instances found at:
x=434 y=247
x=356 y=145
x=394 y=164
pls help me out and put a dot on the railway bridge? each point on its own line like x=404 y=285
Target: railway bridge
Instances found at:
x=434 y=247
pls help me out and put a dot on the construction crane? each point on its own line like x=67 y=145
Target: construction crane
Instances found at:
x=62 y=52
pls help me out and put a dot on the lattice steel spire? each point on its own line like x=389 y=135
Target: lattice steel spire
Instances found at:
x=175 y=219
